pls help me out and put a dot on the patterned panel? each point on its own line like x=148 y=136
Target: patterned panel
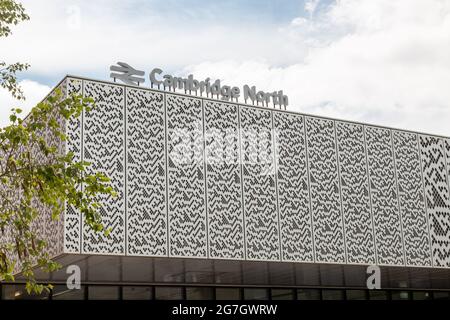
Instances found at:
x=293 y=190
x=437 y=198
x=53 y=230
x=260 y=201
x=8 y=230
x=383 y=188
x=412 y=203
x=103 y=147
x=325 y=197
x=359 y=232
x=186 y=177
x=72 y=217
x=223 y=174
x=233 y=198
x=447 y=158
x=43 y=226
x=46 y=228
x=146 y=174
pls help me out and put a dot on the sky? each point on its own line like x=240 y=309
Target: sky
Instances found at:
x=377 y=61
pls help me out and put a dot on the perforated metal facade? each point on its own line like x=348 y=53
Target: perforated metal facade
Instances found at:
x=211 y=179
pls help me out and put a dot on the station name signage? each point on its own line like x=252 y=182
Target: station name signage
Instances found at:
x=127 y=74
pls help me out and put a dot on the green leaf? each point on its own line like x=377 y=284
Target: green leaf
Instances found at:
x=34 y=168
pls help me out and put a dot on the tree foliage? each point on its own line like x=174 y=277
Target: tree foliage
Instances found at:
x=8 y=78
x=37 y=176
x=11 y=13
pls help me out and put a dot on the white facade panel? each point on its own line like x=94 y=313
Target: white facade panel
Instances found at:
x=204 y=178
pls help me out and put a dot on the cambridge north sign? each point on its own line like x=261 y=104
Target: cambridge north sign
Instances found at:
x=131 y=76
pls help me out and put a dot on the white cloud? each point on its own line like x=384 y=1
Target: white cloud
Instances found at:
x=311 y=6
x=87 y=36
x=34 y=93
x=386 y=62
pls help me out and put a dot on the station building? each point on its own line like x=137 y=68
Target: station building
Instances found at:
x=222 y=200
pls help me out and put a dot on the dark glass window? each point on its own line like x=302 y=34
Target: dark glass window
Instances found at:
x=168 y=293
x=169 y=270
x=12 y=291
x=398 y=277
x=378 y=295
x=137 y=293
x=439 y=279
x=103 y=268
x=227 y=271
x=355 y=276
x=281 y=273
x=60 y=292
x=307 y=274
x=331 y=275
x=61 y=275
x=308 y=294
x=400 y=295
x=18 y=292
x=199 y=293
x=199 y=270
x=356 y=295
x=228 y=294
x=137 y=269
x=255 y=294
x=255 y=272
x=441 y=295
x=420 y=278
x=421 y=295
x=282 y=294
x=103 y=293
x=333 y=294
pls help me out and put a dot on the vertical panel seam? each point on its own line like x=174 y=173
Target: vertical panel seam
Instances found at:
x=83 y=83
x=446 y=173
x=205 y=177
x=338 y=163
x=425 y=200
x=241 y=164
x=366 y=147
x=305 y=120
x=167 y=173
x=125 y=156
x=442 y=146
x=66 y=151
x=442 y=143
x=396 y=170
x=275 y=160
